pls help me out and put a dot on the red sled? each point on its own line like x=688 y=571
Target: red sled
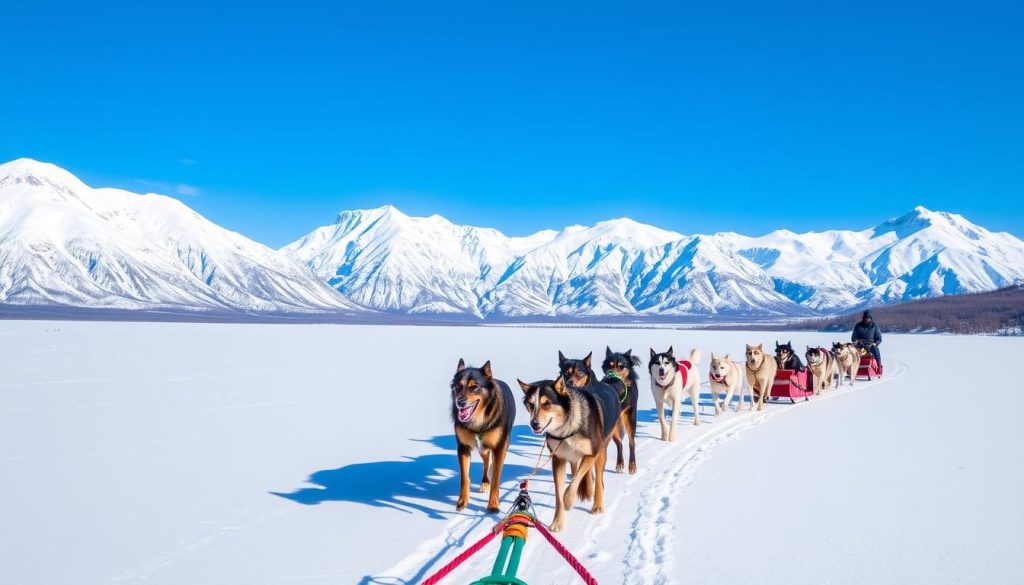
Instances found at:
x=792 y=384
x=869 y=368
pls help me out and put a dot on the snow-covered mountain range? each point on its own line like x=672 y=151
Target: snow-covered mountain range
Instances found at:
x=63 y=243
x=384 y=259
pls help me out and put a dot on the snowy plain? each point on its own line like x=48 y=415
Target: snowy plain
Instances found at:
x=221 y=454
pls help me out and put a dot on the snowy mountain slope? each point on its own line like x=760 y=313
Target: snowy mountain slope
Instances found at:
x=62 y=242
x=387 y=260
x=918 y=255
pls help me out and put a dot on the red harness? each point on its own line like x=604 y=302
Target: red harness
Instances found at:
x=684 y=369
x=828 y=355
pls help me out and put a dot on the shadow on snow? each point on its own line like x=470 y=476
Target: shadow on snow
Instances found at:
x=427 y=484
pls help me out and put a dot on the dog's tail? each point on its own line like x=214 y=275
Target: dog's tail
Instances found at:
x=585 y=491
x=695 y=356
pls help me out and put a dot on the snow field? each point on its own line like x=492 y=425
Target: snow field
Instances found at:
x=177 y=453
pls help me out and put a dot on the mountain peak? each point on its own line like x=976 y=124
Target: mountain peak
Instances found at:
x=34 y=172
x=370 y=214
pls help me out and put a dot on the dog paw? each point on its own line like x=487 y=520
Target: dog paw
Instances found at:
x=619 y=467
x=492 y=508
x=556 y=525
x=597 y=509
x=484 y=487
x=632 y=467
x=696 y=422
x=461 y=504
x=568 y=499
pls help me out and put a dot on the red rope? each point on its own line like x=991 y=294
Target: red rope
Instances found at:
x=573 y=561
x=445 y=570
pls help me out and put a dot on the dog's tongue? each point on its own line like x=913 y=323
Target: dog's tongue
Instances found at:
x=465 y=413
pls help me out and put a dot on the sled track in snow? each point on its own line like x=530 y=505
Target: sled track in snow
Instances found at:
x=641 y=506
x=645 y=561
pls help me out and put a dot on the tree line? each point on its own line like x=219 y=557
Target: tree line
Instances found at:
x=998 y=312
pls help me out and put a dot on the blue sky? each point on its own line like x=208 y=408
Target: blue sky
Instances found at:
x=270 y=118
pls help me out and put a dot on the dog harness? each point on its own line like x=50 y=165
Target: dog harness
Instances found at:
x=827 y=354
x=625 y=384
x=684 y=369
x=764 y=357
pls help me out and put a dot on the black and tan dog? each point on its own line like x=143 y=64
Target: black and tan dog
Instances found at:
x=578 y=425
x=483 y=410
x=620 y=373
x=579 y=374
x=787 y=358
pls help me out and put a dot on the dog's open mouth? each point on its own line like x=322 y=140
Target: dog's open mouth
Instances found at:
x=541 y=430
x=467 y=413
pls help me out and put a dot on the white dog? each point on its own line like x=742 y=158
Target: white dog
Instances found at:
x=669 y=378
x=725 y=376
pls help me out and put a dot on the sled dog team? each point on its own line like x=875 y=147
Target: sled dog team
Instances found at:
x=579 y=414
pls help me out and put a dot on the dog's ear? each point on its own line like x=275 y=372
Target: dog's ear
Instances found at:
x=486 y=369
x=654 y=354
x=725 y=357
x=523 y=385
x=776 y=345
x=713 y=358
x=607 y=352
x=789 y=343
x=587 y=360
x=461 y=366
x=760 y=346
x=561 y=358
x=560 y=386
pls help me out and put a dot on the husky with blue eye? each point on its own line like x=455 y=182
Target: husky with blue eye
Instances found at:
x=483 y=411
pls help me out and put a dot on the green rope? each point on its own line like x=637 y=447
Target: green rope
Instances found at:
x=625 y=384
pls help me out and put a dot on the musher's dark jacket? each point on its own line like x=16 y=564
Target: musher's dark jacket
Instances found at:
x=869 y=333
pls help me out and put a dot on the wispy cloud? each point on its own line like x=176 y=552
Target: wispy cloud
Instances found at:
x=182 y=189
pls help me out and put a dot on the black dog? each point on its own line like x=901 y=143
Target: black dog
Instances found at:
x=620 y=373
x=579 y=375
x=483 y=410
x=787 y=358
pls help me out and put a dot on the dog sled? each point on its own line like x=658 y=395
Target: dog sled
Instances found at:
x=792 y=384
x=869 y=368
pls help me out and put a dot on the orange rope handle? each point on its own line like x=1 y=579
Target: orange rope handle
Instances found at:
x=517 y=525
